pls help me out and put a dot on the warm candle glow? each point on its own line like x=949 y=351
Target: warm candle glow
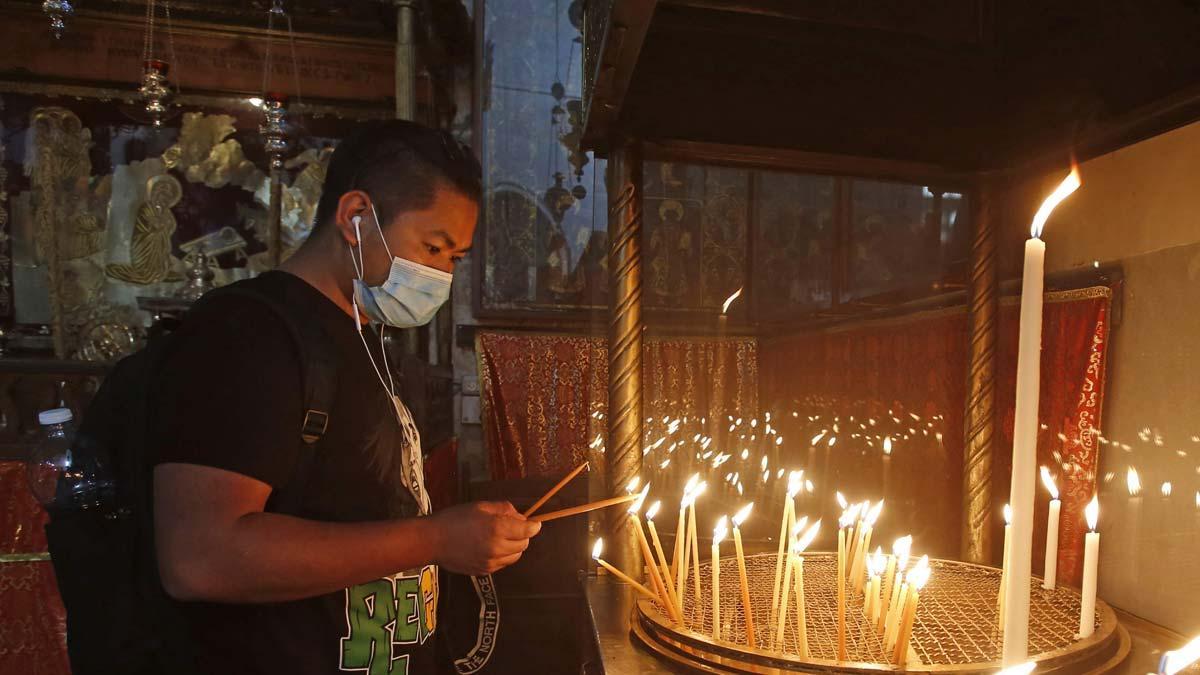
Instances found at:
x=1048 y=481
x=721 y=530
x=1175 y=661
x=874 y=514
x=795 y=483
x=1166 y=489
x=597 y=548
x=653 y=510
x=901 y=549
x=636 y=506
x=804 y=541
x=798 y=528
x=919 y=576
x=741 y=516
x=1020 y=669
x=1008 y=514
x=887 y=444
x=729 y=300
x=633 y=484
x=877 y=563
x=841 y=500
x=1092 y=513
x=1069 y=184
x=1133 y=482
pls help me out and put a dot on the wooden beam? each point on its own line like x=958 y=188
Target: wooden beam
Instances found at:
x=618 y=51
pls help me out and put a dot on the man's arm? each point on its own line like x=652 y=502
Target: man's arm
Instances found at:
x=215 y=543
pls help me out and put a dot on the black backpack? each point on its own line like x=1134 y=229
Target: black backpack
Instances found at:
x=119 y=618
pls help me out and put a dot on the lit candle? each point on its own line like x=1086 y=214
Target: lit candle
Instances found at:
x=781 y=619
x=875 y=566
x=1174 y=661
x=855 y=541
x=618 y=573
x=1050 y=570
x=860 y=556
x=1091 y=559
x=895 y=611
x=795 y=482
x=798 y=571
x=887 y=466
x=665 y=566
x=748 y=611
x=896 y=563
x=1025 y=428
x=682 y=542
x=846 y=521
x=1002 y=594
x=694 y=544
x=652 y=569
x=718 y=537
x=916 y=581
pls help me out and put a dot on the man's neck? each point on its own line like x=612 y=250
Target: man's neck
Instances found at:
x=314 y=266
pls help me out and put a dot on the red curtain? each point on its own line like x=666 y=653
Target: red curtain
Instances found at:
x=905 y=379
x=33 y=625
x=545 y=396
x=1075 y=328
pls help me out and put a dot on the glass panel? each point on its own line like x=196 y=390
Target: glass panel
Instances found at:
x=793 y=244
x=545 y=204
x=694 y=214
x=895 y=239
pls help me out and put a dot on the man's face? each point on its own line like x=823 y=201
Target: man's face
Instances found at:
x=437 y=237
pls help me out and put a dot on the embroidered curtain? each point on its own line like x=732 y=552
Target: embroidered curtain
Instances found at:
x=905 y=379
x=545 y=396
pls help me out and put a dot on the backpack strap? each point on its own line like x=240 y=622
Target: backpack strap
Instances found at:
x=318 y=376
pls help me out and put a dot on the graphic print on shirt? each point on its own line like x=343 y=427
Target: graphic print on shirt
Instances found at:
x=384 y=615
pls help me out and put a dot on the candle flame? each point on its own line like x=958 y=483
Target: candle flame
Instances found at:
x=741 y=516
x=901 y=548
x=720 y=531
x=633 y=484
x=1069 y=184
x=1008 y=514
x=795 y=483
x=919 y=576
x=808 y=486
x=803 y=542
x=874 y=514
x=1048 y=481
x=1133 y=482
x=1166 y=489
x=887 y=445
x=1175 y=661
x=636 y=506
x=653 y=510
x=799 y=526
x=730 y=299
x=1092 y=513
x=841 y=500
x=1019 y=669
x=878 y=562
x=597 y=549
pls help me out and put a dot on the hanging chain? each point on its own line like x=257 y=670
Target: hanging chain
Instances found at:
x=295 y=63
x=148 y=33
x=276 y=8
x=171 y=44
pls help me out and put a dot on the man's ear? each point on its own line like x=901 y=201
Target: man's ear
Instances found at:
x=351 y=212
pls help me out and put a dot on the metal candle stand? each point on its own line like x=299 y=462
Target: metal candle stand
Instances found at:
x=956 y=629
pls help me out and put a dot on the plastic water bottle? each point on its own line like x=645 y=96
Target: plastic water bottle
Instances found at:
x=65 y=474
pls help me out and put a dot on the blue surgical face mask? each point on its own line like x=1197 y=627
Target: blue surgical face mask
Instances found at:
x=409 y=297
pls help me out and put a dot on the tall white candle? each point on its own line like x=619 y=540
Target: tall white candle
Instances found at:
x=1091 y=559
x=1004 y=566
x=795 y=481
x=1025 y=427
x=1050 y=570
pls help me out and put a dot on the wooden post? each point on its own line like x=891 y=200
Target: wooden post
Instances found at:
x=625 y=327
x=406 y=60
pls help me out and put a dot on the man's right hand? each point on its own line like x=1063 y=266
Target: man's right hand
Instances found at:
x=482 y=537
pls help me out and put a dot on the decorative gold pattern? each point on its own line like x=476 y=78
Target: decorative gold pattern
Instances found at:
x=205 y=154
x=59 y=175
x=979 y=421
x=625 y=343
x=150 y=259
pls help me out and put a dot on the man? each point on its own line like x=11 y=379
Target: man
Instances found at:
x=347 y=582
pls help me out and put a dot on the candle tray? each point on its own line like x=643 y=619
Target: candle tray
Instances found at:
x=955 y=630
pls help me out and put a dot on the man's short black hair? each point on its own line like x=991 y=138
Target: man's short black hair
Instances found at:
x=399 y=164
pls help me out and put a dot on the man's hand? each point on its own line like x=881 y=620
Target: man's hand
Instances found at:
x=482 y=537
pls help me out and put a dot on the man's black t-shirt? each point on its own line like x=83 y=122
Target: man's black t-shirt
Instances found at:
x=229 y=396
